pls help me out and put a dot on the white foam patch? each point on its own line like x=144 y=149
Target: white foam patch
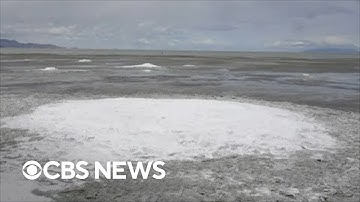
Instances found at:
x=164 y=129
x=84 y=60
x=189 y=65
x=145 y=65
x=147 y=70
x=49 y=69
x=75 y=70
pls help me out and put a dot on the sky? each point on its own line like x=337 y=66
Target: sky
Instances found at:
x=184 y=25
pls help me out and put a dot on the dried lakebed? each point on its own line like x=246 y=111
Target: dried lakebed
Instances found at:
x=276 y=151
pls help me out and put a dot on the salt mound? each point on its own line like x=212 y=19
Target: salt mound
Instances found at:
x=164 y=129
x=145 y=65
x=84 y=60
x=49 y=69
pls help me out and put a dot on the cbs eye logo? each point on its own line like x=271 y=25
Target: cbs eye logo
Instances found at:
x=31 y=170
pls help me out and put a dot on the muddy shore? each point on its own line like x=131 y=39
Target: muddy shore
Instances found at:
x=306 y=175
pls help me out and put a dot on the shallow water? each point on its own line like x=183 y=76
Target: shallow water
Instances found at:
x=312 y=79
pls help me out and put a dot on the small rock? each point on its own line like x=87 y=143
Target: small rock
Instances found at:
x=323 y=198
x=291 y=193
x=287 y=194
x=91 y=196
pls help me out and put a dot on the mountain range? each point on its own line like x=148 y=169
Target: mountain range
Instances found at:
x=6 y=43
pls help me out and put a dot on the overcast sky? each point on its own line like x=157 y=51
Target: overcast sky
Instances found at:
x=186 y=25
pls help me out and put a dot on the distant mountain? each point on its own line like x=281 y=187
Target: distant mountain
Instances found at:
x=6 y=43
x=333 y=50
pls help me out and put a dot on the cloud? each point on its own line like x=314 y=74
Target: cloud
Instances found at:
x=62 y=30
x=316 y=42
x=336 y=40
x=217 y=27
x=290 y=44
x=318 y=9
x=205 y=42
x=34 y=29
x=210 y=25
x=143 y=41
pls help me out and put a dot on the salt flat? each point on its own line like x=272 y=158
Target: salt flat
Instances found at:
x=168 y=129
